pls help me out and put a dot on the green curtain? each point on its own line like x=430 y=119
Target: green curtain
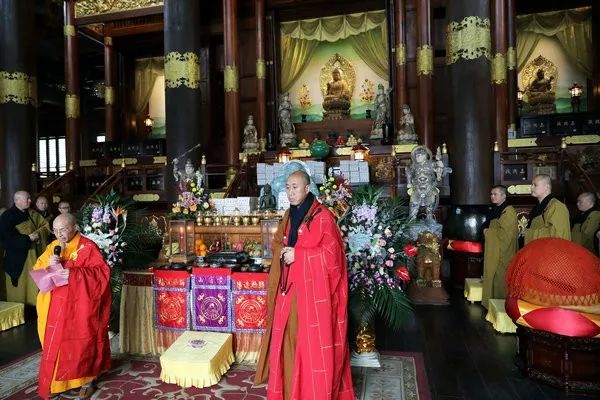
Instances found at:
x=526 y=44
x=371 y=47
x=146 y=72
x=332 y=29
x=572 y=28
x=295 y=56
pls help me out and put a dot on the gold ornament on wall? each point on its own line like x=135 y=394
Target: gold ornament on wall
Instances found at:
x=72 y=106
x=468 y=39
x=230 y=78
x=85 y=8
x=347 y=73
x=69 y=30
x=261 y=69
x=109 y=95
x=511 y=58
x=425 y=60
x=498 y=69
x=17 y=87
x=182 y=70
x=401 y=54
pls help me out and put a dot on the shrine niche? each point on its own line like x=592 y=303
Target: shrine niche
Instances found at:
x=539 y=78
x=337 y=85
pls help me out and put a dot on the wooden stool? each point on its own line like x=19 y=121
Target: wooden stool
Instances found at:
x=499 y=318
x=11 y=315
x=197 y=359
x=473 y=289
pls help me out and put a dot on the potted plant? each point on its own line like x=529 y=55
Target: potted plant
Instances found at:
x=305 y=100
x=367 y=95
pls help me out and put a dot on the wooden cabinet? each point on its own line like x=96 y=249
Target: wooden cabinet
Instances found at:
x=233 y=234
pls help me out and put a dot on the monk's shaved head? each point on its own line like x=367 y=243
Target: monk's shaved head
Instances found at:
x=301 y=174
x=65 y=227
x=21 y=194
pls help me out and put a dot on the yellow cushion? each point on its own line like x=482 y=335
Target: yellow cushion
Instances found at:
x=473 y=289
x=499 y=318
x=197 y=359
x=11 y=315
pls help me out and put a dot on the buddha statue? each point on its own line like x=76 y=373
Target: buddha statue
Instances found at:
x=336 y=102
x=540 y=95
x=250 y=143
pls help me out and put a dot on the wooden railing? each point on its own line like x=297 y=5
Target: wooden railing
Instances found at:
x=57 y=185
x=109 y=183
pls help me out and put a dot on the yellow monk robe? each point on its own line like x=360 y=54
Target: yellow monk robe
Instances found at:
x=554 y=222
x=583 y=233
x=78 y=246
x=500 y=247
x=26 y=291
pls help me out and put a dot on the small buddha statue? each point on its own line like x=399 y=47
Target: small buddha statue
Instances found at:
x=540 y=95
x=336 y=102
x=267 y=200
x=250 y=143
x=406 y=132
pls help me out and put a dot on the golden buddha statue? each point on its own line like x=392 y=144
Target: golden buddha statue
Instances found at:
x=540 y=95
x=336 y=101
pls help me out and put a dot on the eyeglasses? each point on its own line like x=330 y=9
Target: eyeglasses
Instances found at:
x=63 y=230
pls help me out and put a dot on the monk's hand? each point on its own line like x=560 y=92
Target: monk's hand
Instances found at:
x=65 y=272
x=288 y=255
x=54 y=260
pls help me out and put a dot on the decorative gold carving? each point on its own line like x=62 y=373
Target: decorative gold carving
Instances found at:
x=85 y=8
x=230 y=78
x=383 y=169
x=582 y=139
x=87 y=163
x=523 y=221
x=425 y=60
x=519 y=189
x=498 y=69
x=108 y=41
x=401 y=54
x=124 y=161
x=18 y=87
x=347 y=69
x=528 y=74
x=261 y=69
x=468 y=39
x=69 y=30
x=511 y=58
x=146 y=197
x=404 y=148
x=343 y=151
x=109 y=95
x=524 y=142
x=299 y=153
x=159 y=160
x=182 y=70
x=365 y=340
x=72 y=106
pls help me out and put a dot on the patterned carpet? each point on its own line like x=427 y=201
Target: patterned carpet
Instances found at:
x=401 y=377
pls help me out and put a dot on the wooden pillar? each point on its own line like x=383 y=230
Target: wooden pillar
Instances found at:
x=400 y=51
x=261 y=73
x=424 y=73
x=182 y=83
x=511 y=65
x=110 y=92
x=498 y=71
x=18 y=97
x=231 y=82
x=470 y=100
x=72 y=98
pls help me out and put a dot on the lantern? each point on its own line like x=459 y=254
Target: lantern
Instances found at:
x=284 y=155
x=268 y=227
x=181 y=241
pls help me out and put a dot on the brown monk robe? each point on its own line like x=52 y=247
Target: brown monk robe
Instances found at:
x=291 y=329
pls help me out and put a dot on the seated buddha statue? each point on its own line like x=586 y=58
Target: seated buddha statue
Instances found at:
x=540 y=95
x=336 y=102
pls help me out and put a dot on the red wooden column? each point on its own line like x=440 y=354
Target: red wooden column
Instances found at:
x=511 y=64
x=72 y=99
x=498 y=71
x=424 y=73
x=231 y=82
x=109 y=84
x=261 y=74
x=401 y=85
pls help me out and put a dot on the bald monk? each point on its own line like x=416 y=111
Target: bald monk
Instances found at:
x=304 y=353
x=586 y=222
x=550 y=217
x=73 y=319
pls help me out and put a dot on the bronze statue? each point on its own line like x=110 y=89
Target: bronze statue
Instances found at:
x=250 y=143
x=428 y=260
x=540 y=95
x=267 y=201
x=336 y=102
x=382 y=112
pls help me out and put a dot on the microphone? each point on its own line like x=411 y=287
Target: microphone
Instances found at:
x=57 y=250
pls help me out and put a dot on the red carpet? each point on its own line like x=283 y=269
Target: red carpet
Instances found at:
x=402 y=376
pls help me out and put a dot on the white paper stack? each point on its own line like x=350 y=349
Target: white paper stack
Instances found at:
x=356 y=172
x=228 y=205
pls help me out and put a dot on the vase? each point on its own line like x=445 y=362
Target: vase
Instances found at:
x=319 y=149
x=368 y=115
x=303 y=117
x=366 y=355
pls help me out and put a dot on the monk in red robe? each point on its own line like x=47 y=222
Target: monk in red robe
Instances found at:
x=73 y=319
x=304 y=352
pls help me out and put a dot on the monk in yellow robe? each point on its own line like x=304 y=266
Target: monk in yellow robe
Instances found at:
x=550 y=217
x=587 y=221
x=73 y=318
x=500 y=232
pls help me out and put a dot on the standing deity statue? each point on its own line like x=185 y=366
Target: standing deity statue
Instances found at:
x=423 y=176
x=406 y=132
x=286 y=128
x=186 y=177
x=250 y=143
x=382 y=112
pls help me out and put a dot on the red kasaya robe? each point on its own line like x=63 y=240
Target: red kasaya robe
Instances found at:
x=73 y=319
x=318 y=281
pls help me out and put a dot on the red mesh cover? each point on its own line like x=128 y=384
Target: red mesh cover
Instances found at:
x=554 y=272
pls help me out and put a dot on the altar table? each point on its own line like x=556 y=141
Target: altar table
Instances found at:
x=473 y=289
x=197 y=359
x=499 y=318
x=137 y=310
x=11 y=315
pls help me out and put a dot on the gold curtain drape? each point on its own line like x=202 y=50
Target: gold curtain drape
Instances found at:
x=332 y=29
x=572 y=28
x=370 y=46
x=146 y=72
x=295 y=56
x=526 y=43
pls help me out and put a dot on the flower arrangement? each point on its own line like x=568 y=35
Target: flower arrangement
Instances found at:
x=190 y=203
x=304 y=97
x=335 y=194
x=372 y=231
x=367 y=94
